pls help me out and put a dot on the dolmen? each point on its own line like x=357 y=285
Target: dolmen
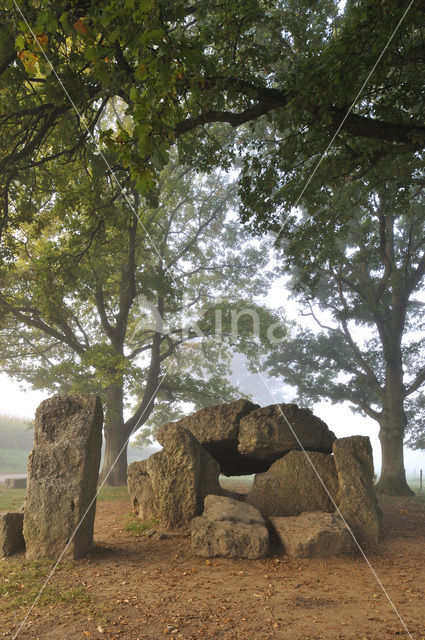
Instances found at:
x=306 y=480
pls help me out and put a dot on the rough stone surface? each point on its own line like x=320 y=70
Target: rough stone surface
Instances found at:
x=11 y=538
x=218 y=508
x=291 y=486
x=312 y=535
x=15 y=483
x=182 y=474
x=141 y=492
x=356 y=497
x=229 y=528
x=264 y=434
x=217 y=428
x=63 y=470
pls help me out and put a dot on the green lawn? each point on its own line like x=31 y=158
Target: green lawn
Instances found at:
x=13 y=499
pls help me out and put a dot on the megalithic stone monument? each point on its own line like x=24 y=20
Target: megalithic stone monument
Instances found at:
x=63 y=470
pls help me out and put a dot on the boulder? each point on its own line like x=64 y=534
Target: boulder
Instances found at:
x=356 y=496
x=11 y=538
x=229 y=528
x=265 y=435
x=182 y=474
x=63 y=470
x=291 y=485
x=141 y=492
x=216 y=428
x=312 y=535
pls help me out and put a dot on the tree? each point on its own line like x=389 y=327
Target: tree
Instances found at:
x=362 y=289
x=76 y=305
x=285 y=73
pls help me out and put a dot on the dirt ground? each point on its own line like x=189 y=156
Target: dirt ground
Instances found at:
x=139 y=588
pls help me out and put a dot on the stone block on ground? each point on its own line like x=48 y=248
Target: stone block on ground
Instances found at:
x=229 y=528
x=312 y=535
x=11 y=538
x=217 y=428
x=291 y=485
x=182 y=474
x=63 y=470
x=356 y=496
x=141 y=492
x=15 y=483
x=264 y=434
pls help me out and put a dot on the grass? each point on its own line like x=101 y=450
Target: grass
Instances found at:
x=20 y=583
x=13 y=499
x=137 y=527
x=108 y=494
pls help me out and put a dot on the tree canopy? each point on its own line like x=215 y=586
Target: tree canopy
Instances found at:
x=107 y=292
x=284 y=73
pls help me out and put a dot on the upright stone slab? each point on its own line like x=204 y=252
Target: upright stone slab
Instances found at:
x=356 y=496
x=291 y=485
x=63 y=470
x=11 y=538
x=140 y=489
x=182 y=474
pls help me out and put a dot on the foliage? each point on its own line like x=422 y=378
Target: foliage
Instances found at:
x=15 y=433
x=107 y=287
x=363 y=294
x=282 y=74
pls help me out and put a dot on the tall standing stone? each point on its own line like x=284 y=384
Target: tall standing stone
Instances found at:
x=63 y=470
x=356 y=496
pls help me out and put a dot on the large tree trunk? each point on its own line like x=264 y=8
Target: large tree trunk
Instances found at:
x=114 y=469
x=391 y=434
x=393 y=475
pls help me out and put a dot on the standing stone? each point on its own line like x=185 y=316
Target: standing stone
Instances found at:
x=229 y=528
x=182 y=474
x=11 y=538
x=356 y=497
x=291 y=485
x=265 y=434
x=313 y=535
x=141 y=492
x=216 y=428
x=63 y=470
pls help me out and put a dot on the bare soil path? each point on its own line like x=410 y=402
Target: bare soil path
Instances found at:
x=140 y=588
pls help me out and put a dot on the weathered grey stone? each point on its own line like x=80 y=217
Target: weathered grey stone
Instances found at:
x=264 y=434
x=141 y=492
x=229 y=528
x=216 y=428
x=11 y=538
x=312 y=535
x=15 y=483
x=291 y=485
x=356 y=496
x=63 y=470
x=218 y=508
x=182 y=474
